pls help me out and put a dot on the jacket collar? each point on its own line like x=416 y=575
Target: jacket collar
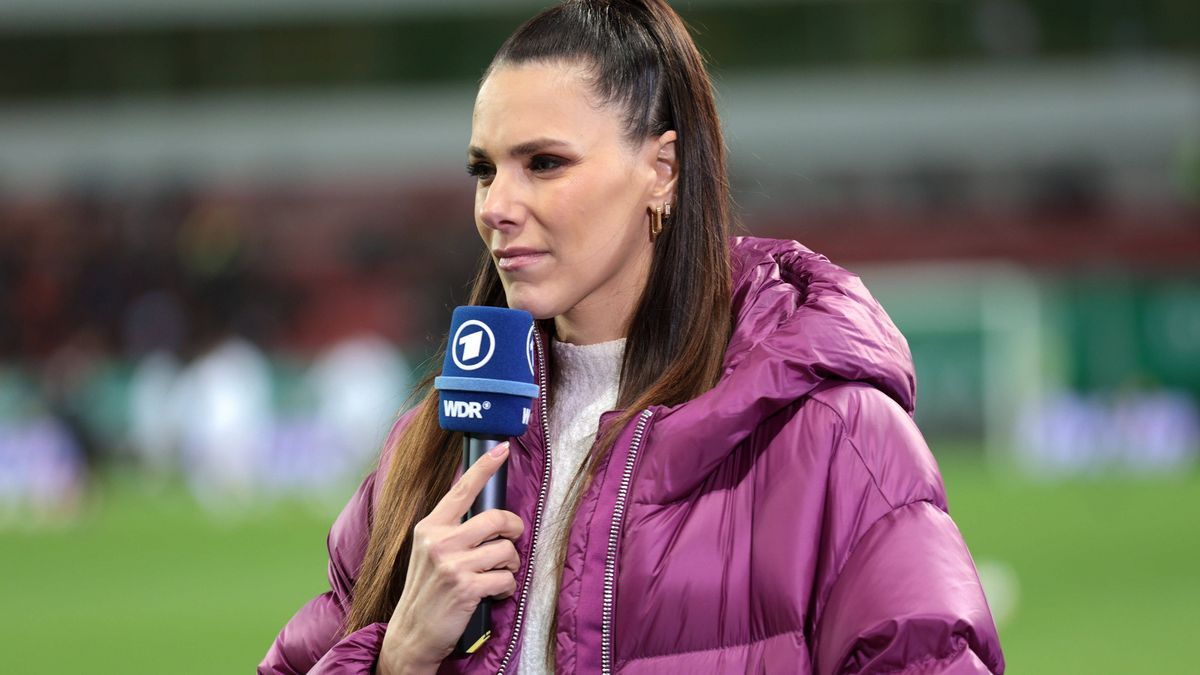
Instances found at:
x=799 y=321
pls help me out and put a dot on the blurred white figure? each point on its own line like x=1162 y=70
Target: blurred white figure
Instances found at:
x=153 y=433
x=360 y=384
x=222 y=405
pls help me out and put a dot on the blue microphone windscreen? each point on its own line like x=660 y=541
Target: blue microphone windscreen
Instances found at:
x=486 y=385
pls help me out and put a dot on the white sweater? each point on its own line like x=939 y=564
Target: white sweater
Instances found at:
x=586 y=380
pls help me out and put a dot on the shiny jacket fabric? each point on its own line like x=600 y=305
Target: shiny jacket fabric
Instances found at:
x=789 y=520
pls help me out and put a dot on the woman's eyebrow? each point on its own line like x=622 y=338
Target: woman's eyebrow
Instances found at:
x=521 y=149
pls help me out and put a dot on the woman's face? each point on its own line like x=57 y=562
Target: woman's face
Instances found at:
x=562 y=198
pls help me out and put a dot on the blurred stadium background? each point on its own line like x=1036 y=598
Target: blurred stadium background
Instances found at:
x=230 y=231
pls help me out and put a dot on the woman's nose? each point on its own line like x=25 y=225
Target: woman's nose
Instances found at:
x=502 y=204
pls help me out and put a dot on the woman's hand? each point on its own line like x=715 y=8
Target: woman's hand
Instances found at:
x=452 y=567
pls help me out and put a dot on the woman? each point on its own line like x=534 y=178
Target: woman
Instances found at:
x=757 y=498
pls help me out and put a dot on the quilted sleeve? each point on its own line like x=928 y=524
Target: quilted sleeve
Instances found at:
x=899 y=592
x=909 y=601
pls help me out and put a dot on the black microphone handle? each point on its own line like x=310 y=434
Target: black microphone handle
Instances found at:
x=479 y=627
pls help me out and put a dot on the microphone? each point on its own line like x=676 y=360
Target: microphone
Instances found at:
x=486 y=390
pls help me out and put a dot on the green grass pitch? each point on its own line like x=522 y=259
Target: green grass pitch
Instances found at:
x=1097 y=576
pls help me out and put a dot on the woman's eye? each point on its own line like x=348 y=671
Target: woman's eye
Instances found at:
x=544 y=163
x=483 y=172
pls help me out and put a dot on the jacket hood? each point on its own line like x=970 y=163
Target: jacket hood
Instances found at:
x=799 y=321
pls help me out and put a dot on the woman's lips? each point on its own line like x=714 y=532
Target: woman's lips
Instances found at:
x=513 y=263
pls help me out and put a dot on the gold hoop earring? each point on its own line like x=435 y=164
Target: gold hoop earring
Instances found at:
x=667 y=210
x=656 y=221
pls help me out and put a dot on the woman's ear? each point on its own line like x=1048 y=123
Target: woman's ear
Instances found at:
x=666 y=168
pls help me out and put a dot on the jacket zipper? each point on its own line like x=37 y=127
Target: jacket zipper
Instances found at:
x=537 y=518
x=610 y=559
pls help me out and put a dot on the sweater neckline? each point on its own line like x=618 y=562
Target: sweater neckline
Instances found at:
x=594 y=364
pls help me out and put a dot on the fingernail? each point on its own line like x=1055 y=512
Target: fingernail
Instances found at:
x=499 y=450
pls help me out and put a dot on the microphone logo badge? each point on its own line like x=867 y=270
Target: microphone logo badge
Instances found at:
x=461 y=409
x=530 y=348
x=473 y=345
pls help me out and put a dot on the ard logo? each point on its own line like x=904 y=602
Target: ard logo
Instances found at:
x=473 y=345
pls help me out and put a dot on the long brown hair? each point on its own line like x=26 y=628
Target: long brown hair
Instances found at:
x=640 y=58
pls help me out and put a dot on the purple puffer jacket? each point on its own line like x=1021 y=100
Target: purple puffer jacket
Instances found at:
x=789 y=520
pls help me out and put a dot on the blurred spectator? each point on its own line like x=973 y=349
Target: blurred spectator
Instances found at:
x=42 y=473
x=152 y=429
x=221 y=405
x=360 y=384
